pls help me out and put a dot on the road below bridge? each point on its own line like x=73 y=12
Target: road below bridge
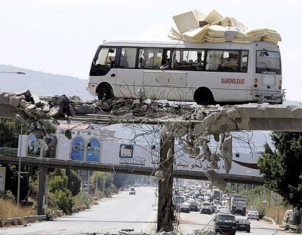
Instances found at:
x=124 y=211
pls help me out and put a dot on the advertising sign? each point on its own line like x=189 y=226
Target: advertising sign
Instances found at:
x=33 y=146
x=126 y=151
x=88 y=148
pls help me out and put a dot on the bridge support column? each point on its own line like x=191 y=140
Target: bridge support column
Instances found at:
x=165 y=213
x=42 y=190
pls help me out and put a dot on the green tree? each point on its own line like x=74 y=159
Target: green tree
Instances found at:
x=58 y=186
x=101 y=180
x=64 y=200
x=282 y=168
x=9 y=132
x=58 y=182
x=73 y=182
x=11 y=181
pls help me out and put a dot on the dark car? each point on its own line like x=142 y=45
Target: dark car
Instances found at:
x=184 y=208
x=206 y=210
x=243 y=225
x=225 y=224
x=193 y=206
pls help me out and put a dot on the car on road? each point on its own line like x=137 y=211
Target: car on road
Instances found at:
x=225 y=224
x=178 y=200
x=193 y=206
x=243 y=225
x=222 y=209
x=253 y=215
x=132 y=191
x=207 y=208
x=184 y=207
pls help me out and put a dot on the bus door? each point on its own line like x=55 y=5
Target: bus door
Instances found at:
x=174 y=80
x=268 y=64
x=158 y=80
x=127 y=81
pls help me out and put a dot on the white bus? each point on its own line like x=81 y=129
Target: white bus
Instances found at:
x=206 y=73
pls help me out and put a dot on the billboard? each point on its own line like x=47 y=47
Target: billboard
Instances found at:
x=87 y=148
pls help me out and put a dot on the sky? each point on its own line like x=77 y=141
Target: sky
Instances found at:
x=61 y=36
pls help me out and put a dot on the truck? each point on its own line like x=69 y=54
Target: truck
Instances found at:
x=216 y=195
x=238 y=205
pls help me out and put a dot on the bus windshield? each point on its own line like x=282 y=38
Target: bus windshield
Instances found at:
x=268 y=62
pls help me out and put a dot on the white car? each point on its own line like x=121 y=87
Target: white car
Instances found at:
x=222 y=209
x=253 y=215
x=132 y=191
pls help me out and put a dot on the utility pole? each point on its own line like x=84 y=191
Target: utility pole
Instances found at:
x=278 y=215
x=21 y=120
x=165 y=213
x=88 y=183
x=19 y=167
x=42 y=190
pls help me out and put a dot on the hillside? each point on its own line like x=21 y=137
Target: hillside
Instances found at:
x=42 y=84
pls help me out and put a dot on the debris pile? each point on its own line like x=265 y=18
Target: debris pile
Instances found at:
x=63 y=107
x=196 y=27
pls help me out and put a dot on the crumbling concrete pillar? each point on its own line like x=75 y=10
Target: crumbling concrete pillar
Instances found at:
x=165 y=214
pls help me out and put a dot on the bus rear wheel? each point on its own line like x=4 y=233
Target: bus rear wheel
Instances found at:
x=203 y=96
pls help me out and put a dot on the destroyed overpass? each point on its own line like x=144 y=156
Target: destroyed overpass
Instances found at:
x=192 y=124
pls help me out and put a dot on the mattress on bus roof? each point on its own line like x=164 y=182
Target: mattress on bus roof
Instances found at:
x=216 y=28
x=188 y=20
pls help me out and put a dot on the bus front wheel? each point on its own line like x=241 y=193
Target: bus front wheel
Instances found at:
x=105 y=95
x=104 y=92
x=203 y=96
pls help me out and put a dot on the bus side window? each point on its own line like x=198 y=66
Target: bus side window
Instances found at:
x=230 y=61
x=150 y=58
x=141 y=59
x=166 y=61
x=214 y=58
x=188 y=60
x=128 y=57
x=244 y=61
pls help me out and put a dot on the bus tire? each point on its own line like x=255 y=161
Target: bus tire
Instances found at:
x=105 y=95
x=104 y=91
x=203 y=96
